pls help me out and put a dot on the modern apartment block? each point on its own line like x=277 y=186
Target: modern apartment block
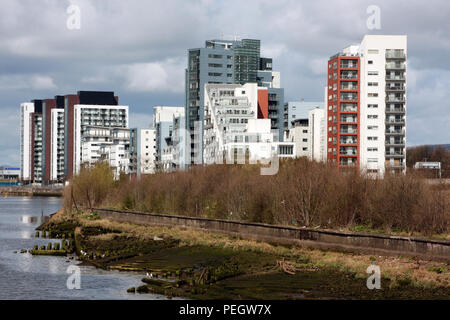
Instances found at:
x=236 y=125
x=227 y=62
x=305 y=126
x=163 y=122
x=57 y=145
x=142 y=150
x=52 y=132
x=88 y=115
x=26 y=141
x=95 y=108
x=366 y=114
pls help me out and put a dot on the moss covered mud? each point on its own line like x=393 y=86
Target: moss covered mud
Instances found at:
x=202 y=265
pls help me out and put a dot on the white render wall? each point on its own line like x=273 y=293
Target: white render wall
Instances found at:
x=147 y=151
x=317 y=135
x=26 y=109
x=380 y=43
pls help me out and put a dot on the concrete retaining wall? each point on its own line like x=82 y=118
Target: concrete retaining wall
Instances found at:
x=31 y=191
x=352 y=242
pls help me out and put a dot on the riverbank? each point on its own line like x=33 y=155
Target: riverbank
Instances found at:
x=31 y=191
x=204 y=265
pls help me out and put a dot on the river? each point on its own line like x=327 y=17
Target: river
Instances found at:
x=23 y=276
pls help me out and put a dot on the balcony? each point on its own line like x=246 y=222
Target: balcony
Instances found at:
x=390 y=77
x=394 y=121
x=395 y=66
x=349 y=86
x=395 y=143
x=348 y=119
x=395 y=154
x=395 y=54
x=349 y=130
x=395 y=131
x=395 y=88
x=346 y=107
x=349 y=64
x=395 y=110
x=391 y=98
x=348 y=141
x=349 y=97
x=349 y=75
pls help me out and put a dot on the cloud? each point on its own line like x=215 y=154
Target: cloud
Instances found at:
x=33 y=81
x=167 y=75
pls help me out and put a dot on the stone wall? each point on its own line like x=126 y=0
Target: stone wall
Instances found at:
x=324 y=239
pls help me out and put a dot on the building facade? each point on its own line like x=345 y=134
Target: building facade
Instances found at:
x=236 y=126
x=366 y=114
x=226 y=62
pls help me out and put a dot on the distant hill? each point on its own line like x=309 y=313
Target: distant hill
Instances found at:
x=432 y=146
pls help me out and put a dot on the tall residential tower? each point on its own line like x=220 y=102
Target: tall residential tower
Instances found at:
x=366 y=98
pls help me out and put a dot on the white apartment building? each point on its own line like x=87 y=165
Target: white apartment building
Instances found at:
x=232 y=128
x=367 y=105
x=163 y=122
x=299 y=134
x=142 y=150
x=26 y=110
x=88 y=142
x=317 y=145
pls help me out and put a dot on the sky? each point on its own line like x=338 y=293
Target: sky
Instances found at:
x=138 y=49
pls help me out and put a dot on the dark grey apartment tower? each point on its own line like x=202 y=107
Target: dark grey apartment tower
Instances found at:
x=224 y=61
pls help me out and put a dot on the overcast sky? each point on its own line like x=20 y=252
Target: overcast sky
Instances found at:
x=138 y=49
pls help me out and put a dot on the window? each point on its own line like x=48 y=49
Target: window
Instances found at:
x=372 y=138
x=214 y=74
x=370 y=62
x=372 y=73
x=305 y=131
x=215 y=56
x=372 y=116
x=372 y=94
x=372 y=106
x=305 y=149
x=372 y=127
x=372 y=51
x=373 y=160
x=215 y=65
x=305 y=140
x=371 y=149
x=373 y=84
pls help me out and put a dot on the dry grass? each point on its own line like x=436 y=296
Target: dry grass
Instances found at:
x=303 y=193
x=421 y=273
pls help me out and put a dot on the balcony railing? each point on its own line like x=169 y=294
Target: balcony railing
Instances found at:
x=395 y=55
x=395 y=99
x=395 y=66
x=395 y=77
x=395 y=121
x=349 y=131
x=348 y=119
x=395 y=110
x=349 y=76
x=349 y=109
x=349 y=65
x=397 y=88
x=349 y=97
x=395 y=143
x=395 y=153
x=351 y=87
x=348 y=141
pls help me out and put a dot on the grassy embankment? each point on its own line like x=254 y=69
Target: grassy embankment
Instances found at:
x=198 y=264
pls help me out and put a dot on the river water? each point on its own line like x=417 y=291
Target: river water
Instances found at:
x=23 y=276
